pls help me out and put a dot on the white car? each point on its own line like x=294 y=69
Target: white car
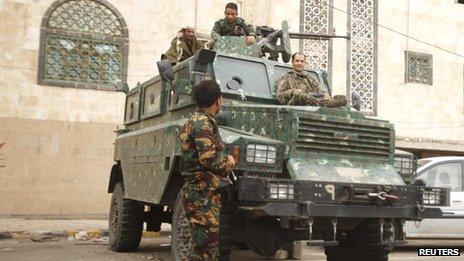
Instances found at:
x=442 y=172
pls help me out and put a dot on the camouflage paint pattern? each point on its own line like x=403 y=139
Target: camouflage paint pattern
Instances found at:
x=296 y=88
x=333 y=168
x=204 y=221
x=204 y=164
x=223 y=28
x=149 y=148
x=181 y=49
x=236 y=45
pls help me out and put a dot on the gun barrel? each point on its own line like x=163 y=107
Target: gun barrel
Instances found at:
x=317 y=36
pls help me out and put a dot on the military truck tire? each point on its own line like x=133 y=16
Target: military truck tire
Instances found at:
x=264 y=237
x=181 y=235
x=125 y=221
x=362 y=247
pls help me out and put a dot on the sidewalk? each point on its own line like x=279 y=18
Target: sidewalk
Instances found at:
x=40 y=230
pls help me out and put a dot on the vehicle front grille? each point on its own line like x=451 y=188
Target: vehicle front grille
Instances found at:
x=318 y=135
x=261 y=174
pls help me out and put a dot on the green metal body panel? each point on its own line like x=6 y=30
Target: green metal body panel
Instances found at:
x=313 y=143
x=236 y=45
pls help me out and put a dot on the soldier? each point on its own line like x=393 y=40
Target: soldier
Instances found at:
x=233 y=25
x=205 y=168
x=184 y=45
x=299 y=88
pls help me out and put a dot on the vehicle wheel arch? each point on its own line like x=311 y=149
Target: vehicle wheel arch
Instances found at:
x=115 y=176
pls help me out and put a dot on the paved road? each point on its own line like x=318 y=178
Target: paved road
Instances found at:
x=151 y=249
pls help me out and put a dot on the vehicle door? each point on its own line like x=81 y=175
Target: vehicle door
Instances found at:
x=447 y=174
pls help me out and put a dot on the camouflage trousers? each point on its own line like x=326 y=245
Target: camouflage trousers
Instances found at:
x=336 y=101
x=204 y=221
x=327 y=101
x=301 y=97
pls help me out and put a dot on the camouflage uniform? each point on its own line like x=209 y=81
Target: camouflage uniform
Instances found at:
x=295 y=88
x=204 y=168
x=223 y=28
x=182 y=49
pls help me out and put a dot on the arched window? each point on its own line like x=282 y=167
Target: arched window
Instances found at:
x=83 y=44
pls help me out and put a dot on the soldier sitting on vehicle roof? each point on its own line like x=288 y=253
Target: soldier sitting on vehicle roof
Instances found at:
x=297 y=87
x=232 y=25
x=184 y=45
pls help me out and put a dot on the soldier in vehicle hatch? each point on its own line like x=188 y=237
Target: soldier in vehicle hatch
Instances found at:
x=204 y=168
x=232 y=25
x=297 y=87
x=184 y=45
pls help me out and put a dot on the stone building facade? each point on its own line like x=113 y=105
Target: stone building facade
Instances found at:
x=405 y=59
x=57 y=122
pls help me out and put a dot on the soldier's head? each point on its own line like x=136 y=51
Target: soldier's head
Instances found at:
x=208 y=96
x=187 y=32
x=298 y=61
x=231 y=12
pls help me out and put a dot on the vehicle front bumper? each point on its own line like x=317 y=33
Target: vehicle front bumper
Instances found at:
x=330 y=199
x=306 y=210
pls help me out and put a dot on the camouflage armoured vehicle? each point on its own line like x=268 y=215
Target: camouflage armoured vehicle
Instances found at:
x=320 y=175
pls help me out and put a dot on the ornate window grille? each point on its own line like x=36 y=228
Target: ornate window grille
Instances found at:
x=316 y=18
x=419 y=68
x=83 y=44
x=362 y=63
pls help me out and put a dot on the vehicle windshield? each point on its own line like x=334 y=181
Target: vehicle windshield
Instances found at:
x=252 y=77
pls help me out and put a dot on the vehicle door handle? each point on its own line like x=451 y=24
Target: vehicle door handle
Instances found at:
x=457 y=201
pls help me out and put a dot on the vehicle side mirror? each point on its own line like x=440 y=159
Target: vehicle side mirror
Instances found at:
x=202 y=59
x=355 y=101
x=165 y=70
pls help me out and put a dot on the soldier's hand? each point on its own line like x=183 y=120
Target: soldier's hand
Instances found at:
x=231 y=162
x=250 y=40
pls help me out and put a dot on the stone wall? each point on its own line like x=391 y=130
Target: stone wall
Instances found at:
x=55 y=167
x=419 y=110
x=59 y=141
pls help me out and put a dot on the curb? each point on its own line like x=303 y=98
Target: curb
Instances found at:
x=70 y=235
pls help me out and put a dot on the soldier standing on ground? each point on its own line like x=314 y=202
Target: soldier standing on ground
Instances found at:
x=232 y=25
x=184 y=45
x=205 y=168
x=297 y=87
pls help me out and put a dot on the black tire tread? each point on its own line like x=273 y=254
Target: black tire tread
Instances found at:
x=129 y=232
x=365 y=237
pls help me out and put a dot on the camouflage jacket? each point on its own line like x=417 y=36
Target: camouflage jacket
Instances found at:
x=204 y=163
x=223 y=28
x=294 y=88
x=181 y=49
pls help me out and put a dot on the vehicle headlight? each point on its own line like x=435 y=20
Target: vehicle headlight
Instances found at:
x=281 y=190
x=258 y=153
x=405 y=165
x=432 y=196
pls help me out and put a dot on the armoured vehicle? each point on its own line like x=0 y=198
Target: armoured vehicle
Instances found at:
x=324 y=176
